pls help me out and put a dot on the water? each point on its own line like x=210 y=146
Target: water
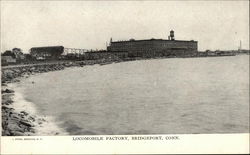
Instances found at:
x=160 y=96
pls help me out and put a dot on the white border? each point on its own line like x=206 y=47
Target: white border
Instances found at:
x=187 y=143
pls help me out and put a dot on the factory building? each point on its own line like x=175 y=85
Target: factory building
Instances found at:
x=155 y=47
x=95 y=55
x=44 y=53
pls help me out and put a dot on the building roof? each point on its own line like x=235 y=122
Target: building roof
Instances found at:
x=47 y=47
x=154 y=40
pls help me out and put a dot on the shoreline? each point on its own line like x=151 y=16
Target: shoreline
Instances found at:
x=21 y=122
x=16 y=122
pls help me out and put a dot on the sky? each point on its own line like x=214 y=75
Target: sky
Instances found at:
x=90 y=24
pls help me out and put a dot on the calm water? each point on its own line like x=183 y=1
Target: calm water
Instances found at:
x=164 y=96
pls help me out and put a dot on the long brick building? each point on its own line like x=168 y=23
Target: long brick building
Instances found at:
x=155 y=47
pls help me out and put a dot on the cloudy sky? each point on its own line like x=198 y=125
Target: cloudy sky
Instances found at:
x=90 y=24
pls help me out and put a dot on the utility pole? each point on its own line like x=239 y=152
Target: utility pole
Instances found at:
x=240 y=45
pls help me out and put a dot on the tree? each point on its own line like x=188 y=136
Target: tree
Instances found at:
x=9 y=53
x=16 y=49
x=18 y=53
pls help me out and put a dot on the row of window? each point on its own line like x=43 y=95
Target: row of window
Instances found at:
x=122 y=46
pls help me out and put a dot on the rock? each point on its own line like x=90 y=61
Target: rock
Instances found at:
x=4 y=122
x=7 y=97
x=8 y=91
x=31 y=119
x=21 y=115
x=25 y=113
x=33 y=68
x=40 y=123
x=17 y=133
x=8 y=71
x=13 y=126
x=26 y=123
x=5 y=133
x=32 y=130
x=16 y=80
x=5 y=107
x=5 y=111
x=7 y=102
x=28 y=134
x=15 y=116
x=10 y=113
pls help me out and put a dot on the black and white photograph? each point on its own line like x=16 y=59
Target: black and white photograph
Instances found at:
x=91 y=68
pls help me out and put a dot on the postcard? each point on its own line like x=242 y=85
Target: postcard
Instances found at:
x=124 y=77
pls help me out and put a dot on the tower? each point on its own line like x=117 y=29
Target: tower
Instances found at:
x=172 y=35
x=110 y=41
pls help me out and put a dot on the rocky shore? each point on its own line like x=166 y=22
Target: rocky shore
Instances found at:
x=15 y=123
x=21 y=123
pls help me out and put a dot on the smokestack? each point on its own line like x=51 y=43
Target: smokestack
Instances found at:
x=110 y=41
